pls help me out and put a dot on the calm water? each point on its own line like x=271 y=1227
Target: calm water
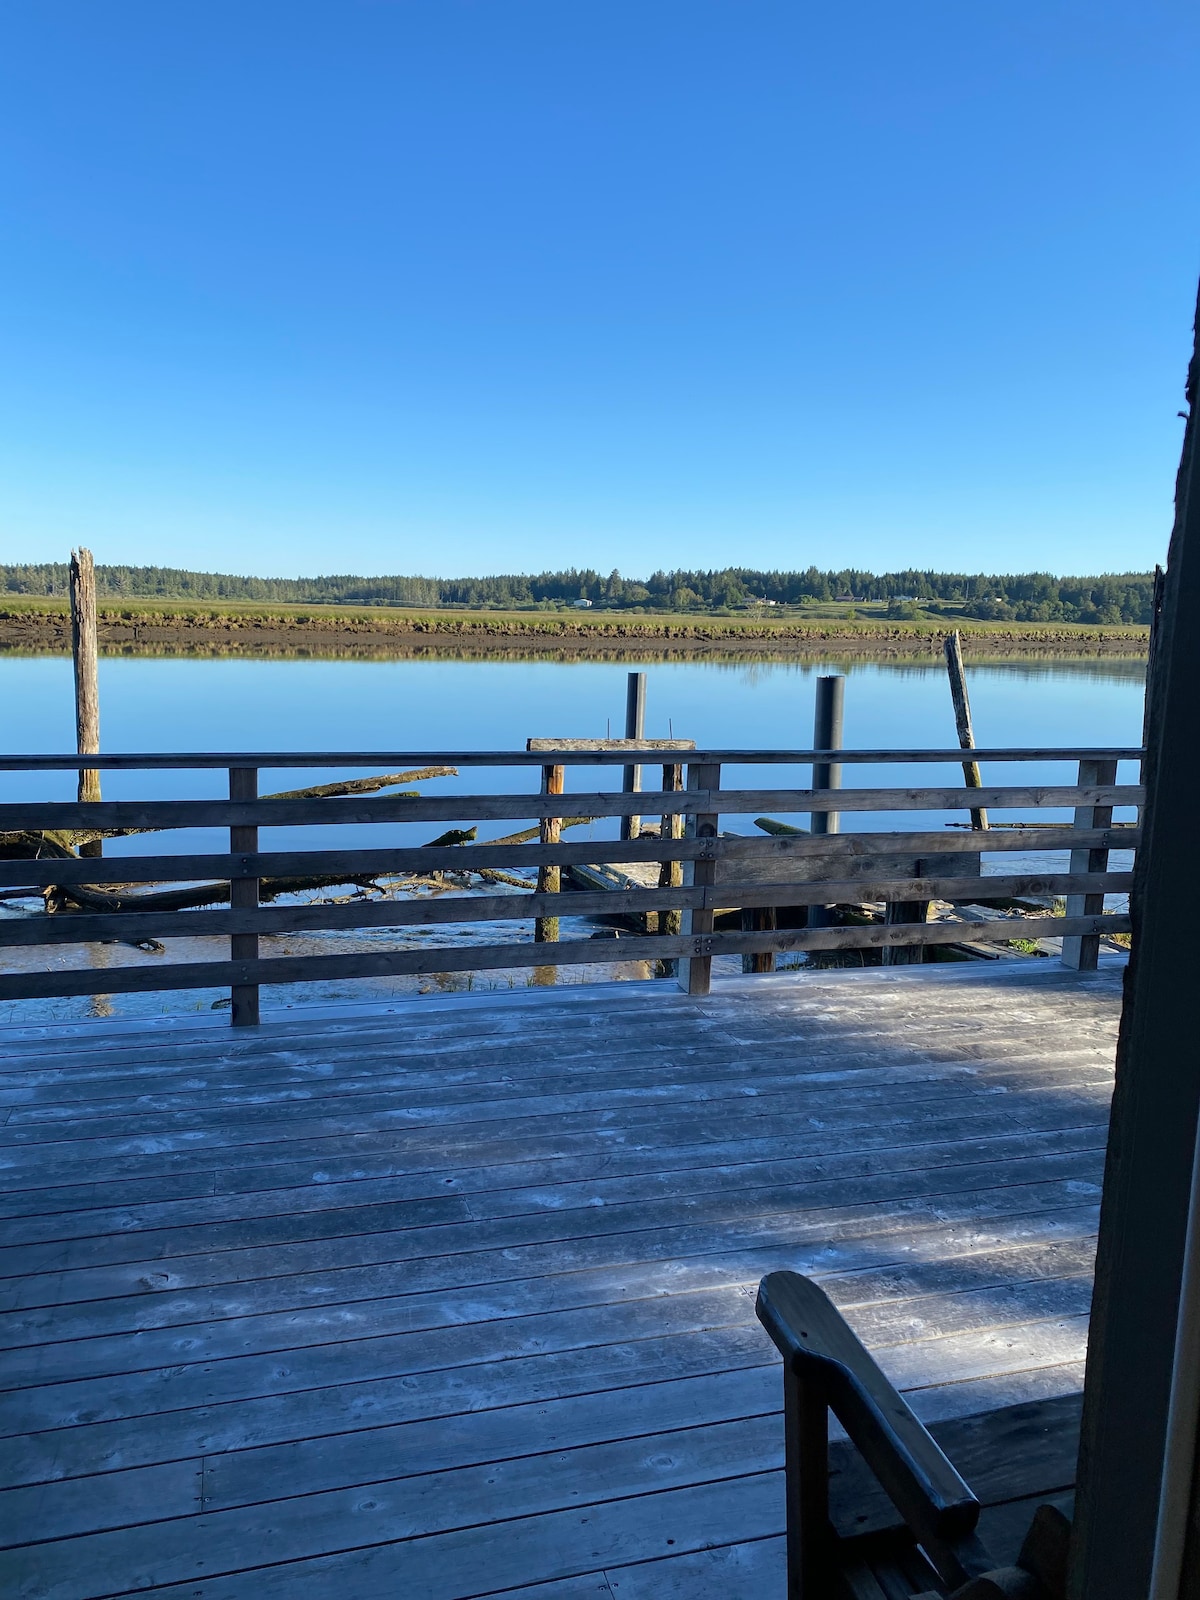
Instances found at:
x=160 y=703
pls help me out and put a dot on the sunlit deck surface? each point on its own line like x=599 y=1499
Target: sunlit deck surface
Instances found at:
x=458 y=1298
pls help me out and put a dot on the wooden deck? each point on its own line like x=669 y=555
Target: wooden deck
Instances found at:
x=457 y=1298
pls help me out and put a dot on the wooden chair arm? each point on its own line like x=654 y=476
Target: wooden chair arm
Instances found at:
x=821 y=1350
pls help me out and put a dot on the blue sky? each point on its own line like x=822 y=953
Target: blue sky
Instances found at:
x=491 y=285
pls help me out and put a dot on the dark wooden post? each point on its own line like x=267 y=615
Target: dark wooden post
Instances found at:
x=695 y=975
x=1082 y=951
x=635 y=728
x=827 y=735
x=84 y=656
x=549 y=878
x=906 y=913
x=1139 y=1408
x=962 y=719
x=806 y=1461
x=243 y=896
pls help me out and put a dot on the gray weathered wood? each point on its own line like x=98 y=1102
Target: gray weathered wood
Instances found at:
x=962 y=719
x=243 y=897
x=549 y=879
x=300 y=813
x=853 y=847
x=489 y=958
x=84 y=927
x=1083 y=952
x=546 y=1367
x=695 y=972
x=592 y=752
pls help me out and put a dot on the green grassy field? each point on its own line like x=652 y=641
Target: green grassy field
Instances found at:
x=864 y=620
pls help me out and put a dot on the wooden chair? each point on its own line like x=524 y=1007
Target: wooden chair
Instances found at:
x=933 y=1550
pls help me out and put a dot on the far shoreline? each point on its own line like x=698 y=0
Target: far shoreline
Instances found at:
x=42 y=626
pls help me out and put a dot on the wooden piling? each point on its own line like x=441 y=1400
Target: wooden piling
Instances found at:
x=827 y=735
x=962 y=720
x=87 y=681
x=635 y=728
x=670 y=873
x=243 y=895
x=549 y=879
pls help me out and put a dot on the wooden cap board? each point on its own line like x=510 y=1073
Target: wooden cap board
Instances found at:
x=583 y=746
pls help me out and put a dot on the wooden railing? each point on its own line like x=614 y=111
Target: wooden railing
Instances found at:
x=902 y=868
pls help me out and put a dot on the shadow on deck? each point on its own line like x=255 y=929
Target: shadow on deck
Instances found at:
x=457 y=1298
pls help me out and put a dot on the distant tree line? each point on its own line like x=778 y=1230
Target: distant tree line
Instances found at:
x=1025 y=597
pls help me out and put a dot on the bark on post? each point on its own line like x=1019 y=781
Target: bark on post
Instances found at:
x=962 y=719
x=670 y=873
x=87 y=682
x=549 y=879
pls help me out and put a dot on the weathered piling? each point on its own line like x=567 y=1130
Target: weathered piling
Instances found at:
x=827 y=735
x=549 y=878
x=670 y=873
x=635 y=728
x=84 y=656
x=962 y=720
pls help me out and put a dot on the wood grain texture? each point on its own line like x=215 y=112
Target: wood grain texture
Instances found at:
x=169 y=814
x=595 y=755
x=382 y=861
x=459 y=1297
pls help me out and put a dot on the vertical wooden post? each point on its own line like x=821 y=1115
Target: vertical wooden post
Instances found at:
x=759 y=919
x=962 y=720
x=1135 y=1397
x=243 y=895
x=695 y=974
x=827 y=735
x=1082 y=951
x=549 y=878
x=670 y=873
x=806 y=1461
x=905 y=913
x=87 y=680
x=635 y=728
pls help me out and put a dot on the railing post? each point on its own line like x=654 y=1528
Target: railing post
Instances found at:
x=1082 y=951
x=243 y=895
x=695 y=972
x=670 y=873
x=806 y=1488
x=635 y=728
x=549 y=878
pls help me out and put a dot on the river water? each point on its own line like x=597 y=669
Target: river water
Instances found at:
x=159 y=703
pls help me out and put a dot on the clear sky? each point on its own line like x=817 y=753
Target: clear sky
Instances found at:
x=453 y=286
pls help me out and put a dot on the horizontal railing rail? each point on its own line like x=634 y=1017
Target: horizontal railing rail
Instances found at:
x=627 y=754
x=701 y=875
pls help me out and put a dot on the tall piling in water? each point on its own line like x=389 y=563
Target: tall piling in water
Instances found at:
x=635 y=728
x=87 y=681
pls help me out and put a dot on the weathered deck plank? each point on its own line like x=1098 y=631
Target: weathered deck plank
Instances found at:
x=456 y=1298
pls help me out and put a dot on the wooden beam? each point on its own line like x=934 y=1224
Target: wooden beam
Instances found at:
x=845 y=848
x=153 y=976
x=166 y=814
x=591 y=752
